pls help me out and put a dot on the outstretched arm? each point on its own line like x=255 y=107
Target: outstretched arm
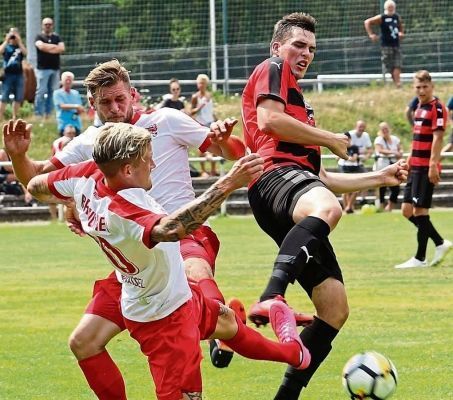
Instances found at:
x=177 y=225
x=223 y=143
x=16 y=140
x=392 y=175
x=273 y=121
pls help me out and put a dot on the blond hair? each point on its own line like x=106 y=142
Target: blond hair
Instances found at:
x=118 y=144
x=389 y=3
x=106 y=74
x=422 y=76
x=203 y=78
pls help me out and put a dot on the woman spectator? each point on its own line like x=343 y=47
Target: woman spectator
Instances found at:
x=388 y=150
x=202 y=110
x=174 y=100
x=13 y=51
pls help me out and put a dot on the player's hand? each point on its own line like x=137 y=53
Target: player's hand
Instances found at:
x=221 y=130
x=395 y=174
x=374 y=38
x=244 y=170
x=338 y=145
x=16 y=137
x=73 y=220
x=433 y=175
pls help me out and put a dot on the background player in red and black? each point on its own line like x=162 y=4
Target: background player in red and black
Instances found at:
x=293 y=200
x=430 y=120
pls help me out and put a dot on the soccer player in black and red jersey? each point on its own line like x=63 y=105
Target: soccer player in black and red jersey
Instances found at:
x=430 y=121
x=293 y=201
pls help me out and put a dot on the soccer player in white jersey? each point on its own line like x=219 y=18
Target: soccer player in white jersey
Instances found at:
x=162 y=311
x=112 y=96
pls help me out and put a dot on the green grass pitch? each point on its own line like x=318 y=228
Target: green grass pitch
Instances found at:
x=47 y=275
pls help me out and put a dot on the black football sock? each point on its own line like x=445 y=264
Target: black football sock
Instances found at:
x=433 y=234
x=317 y=338
x=299 y=246
x=413 y=219
x=423 y=224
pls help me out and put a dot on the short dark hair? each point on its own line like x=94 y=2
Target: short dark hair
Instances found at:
x=284 y=27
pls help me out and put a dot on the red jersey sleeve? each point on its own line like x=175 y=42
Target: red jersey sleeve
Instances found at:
x=272 y=80
x=440 y=117
x=61 y=182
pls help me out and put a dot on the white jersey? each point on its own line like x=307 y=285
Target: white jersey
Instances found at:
x=153 y=280
x=173 y=133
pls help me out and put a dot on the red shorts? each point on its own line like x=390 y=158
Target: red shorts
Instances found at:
x=106 y=300
x=201 y=243
x=172 y=345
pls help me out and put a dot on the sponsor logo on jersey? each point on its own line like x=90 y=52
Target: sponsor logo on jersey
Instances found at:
x=152 y=129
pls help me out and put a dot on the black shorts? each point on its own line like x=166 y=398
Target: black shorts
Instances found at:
x=350 y=169
x=273 y=199
x=418 y=190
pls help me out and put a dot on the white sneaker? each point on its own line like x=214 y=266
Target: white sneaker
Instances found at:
x=412 y=263
x=440 y=252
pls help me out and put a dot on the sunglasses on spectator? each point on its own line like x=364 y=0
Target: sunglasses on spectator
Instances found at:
x=175 y=89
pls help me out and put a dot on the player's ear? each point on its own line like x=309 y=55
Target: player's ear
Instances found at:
x=134 y=93
x=275 y=48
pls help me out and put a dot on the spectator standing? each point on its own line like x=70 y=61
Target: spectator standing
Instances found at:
x=13 y=51
x=202 y=110
x=387 y=149
x=430 y=120
x=349 y=166
x=174 y=100
x=49 y=47
x=361 y=139
x=68 y=104
x=391 y=32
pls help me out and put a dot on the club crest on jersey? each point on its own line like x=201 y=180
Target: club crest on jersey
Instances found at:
x=152 y=129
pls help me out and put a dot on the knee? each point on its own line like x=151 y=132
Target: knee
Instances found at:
x=82 y=345
x=333 y=215
x=407 y=211
x=197 y=269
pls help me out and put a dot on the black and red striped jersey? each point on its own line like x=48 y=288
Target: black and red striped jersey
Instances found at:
x=273 y=79
x=428 y=118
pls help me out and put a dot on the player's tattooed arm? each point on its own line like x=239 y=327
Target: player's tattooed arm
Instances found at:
x=39 y=189
x=184 y=221
x=179 y=224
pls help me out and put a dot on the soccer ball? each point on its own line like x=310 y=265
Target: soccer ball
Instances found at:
x=369 y=375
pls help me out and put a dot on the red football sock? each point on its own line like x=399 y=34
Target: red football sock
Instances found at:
x=211 y=290
x=252 y=344
x=104 y=377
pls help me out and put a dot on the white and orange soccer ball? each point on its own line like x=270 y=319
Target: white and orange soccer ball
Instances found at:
x=369 y=375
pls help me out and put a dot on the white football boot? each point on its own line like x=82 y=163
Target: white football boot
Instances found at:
x=412 y=263
x=440 y=252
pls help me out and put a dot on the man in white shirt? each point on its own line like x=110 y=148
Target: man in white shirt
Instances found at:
x=361 y=139
x=163 y=312
x=173 y=132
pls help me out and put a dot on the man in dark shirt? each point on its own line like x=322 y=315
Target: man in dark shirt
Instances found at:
x=430 y=120
x=49 y=47
x=391 y=33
